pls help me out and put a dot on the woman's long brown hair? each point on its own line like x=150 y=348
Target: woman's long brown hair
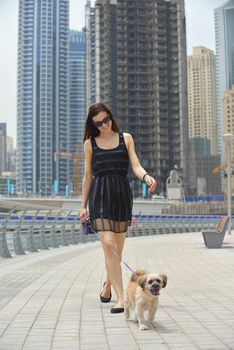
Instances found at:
x=91 y=130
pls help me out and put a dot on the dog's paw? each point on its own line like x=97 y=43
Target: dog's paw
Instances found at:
x=127 y=314
x=143 y=327
x=133 y=319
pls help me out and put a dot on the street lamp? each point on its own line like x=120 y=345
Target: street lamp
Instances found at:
x=228 y=141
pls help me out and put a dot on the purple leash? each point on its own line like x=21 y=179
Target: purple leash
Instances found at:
x=87 y=228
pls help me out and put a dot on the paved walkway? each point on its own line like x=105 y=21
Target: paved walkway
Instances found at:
x=50 y=300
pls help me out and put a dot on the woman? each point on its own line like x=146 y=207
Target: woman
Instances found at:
x=107 y=153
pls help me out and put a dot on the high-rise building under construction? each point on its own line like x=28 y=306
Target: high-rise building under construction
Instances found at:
x=141 y=74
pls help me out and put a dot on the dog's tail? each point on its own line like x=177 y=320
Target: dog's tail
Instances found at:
x=137 y=274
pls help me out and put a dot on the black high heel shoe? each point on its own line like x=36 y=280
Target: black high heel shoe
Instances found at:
x=117 y=310
x=105 y=299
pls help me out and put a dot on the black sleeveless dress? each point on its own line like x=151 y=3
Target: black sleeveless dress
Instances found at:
x=110 y=197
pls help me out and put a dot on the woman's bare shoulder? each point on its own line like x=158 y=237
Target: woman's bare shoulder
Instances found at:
x=127 y=137
x=128 y=140
x=87 y=145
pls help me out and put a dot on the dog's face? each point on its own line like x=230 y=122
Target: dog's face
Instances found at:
x=152 y=283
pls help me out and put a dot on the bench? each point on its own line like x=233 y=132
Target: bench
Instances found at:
x=213 y=238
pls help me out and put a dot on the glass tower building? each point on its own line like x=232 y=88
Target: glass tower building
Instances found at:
x=77 y=101
x=224 y=40
x=3 y=147
x=90 y=30
x=42 y=109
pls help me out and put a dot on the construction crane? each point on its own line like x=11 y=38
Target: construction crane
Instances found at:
x=219 y=168
x=76 y=157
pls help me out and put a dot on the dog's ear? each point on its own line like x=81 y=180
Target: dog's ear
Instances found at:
x=142 y=281
x=164 y=279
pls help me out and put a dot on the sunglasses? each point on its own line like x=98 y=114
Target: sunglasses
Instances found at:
x=106 y=120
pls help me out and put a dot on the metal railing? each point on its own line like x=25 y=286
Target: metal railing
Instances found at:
x=31 y=230
x=163 y=224
x=197 y=208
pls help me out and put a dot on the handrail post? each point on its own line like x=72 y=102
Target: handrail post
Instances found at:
x=4 y=250
x=19 y=250
x=30 y=238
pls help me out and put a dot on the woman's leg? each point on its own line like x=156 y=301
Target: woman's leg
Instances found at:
x=106 y=287
x=113 y=264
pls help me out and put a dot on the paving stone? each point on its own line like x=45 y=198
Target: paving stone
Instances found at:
x=50 y=299
x=154 y=347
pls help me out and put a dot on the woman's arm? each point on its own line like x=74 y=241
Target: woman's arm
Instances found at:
x=87 y=179
x=136 y=166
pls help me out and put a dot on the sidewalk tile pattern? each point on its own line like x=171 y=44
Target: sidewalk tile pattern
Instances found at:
x=50 y=300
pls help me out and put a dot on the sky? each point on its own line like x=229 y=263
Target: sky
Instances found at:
x=200 y=31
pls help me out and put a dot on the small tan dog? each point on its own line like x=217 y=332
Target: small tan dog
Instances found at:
x=142 y=293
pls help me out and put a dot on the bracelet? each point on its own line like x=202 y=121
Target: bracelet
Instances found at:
x=143 y=179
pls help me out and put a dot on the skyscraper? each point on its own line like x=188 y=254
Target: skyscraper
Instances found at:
x=224 y=38
x=42 y=110
x=141 y=74
x=77 y=97
x=228 y=127
x=202 y=96
x=11 y=155
x=228 y=111
x=90 y=53
x=3 y=147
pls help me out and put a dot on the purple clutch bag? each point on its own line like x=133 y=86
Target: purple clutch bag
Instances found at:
x=86 y=228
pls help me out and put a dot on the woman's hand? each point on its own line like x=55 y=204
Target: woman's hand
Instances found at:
x=151 y=182
x=83 y=215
